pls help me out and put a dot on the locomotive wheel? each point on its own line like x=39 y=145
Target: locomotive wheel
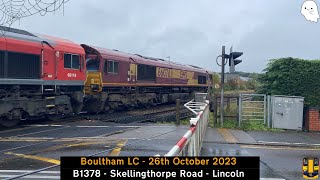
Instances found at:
x=9 y=122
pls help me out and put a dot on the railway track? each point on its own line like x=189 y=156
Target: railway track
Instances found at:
x=163 y=113
x=156 y=114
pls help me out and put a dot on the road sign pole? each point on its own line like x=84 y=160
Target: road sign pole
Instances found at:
x=222 y=85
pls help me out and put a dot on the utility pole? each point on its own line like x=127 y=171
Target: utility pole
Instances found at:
x=222 y=84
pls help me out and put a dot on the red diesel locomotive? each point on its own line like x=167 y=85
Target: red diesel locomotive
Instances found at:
x=39 y=76
x=43 y=76
x=117 y=80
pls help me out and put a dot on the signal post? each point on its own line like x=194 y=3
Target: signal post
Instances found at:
x=233 y=61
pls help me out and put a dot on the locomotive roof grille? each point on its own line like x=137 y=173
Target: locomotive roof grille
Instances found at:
x=196 y=67
x=17 y=31
x=146 y=57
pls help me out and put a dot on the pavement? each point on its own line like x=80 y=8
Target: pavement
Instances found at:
x=281 y=153
x=282 y=138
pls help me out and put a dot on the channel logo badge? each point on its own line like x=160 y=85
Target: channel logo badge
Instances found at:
x=310 y=168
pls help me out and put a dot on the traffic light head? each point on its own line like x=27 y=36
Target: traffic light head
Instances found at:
x=233 y=60
x=237 y=61
x=235 y=55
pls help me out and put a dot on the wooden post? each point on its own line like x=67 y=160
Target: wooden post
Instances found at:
x=238 y=113
x=178 y=111
x=216 y=109
x=228 y=105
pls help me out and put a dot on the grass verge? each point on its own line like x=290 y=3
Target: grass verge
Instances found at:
x=245 y=125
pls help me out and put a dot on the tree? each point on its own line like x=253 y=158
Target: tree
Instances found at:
x=292 y=77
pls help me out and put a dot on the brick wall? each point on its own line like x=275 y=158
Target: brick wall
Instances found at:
x=312 y=119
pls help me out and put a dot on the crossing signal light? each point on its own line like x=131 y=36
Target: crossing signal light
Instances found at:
x=233 y=60
x=233 y=57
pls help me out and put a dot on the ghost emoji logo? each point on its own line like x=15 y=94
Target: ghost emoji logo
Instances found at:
x=309 y=10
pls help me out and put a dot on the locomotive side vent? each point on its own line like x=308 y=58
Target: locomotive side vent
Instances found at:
x=23 y=66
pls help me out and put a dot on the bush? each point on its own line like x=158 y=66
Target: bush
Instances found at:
x=292 y=77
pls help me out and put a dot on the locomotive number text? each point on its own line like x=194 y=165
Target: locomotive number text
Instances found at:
x=72 y=75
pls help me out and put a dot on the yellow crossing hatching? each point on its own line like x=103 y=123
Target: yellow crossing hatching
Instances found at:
x=53 y=161
x=85 y=144
x=116 y=151
x=227 y=135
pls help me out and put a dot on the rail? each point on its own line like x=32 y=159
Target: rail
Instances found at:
x=190 y=143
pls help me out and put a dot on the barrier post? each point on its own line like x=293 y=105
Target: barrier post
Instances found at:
x=178 y=111
x=190 y=143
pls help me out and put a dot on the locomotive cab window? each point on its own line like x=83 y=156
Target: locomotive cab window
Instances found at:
x=202 y=80
x=111 y=67
x=92 y=64
x=71 y=61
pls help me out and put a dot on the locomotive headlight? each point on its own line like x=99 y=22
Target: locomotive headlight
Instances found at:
x=94 y=87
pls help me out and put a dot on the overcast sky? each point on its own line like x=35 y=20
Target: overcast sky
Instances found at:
x=189 y=31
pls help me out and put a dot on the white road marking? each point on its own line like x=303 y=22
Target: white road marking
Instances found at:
x=107 y=126
x=37 y=132
x=58 y=125
x=40 y=175
x=28 y=171
x=287 y=143
x=31 y=177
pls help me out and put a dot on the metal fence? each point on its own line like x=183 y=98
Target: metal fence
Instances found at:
x=190 y=143
x=276 y=111
x=252 y=107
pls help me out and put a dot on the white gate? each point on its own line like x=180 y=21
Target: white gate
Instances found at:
x=252 y=107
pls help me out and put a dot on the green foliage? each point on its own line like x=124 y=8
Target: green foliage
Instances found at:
x=252 y=84
x=216 y=78
x=292 y=77
x=231 y=85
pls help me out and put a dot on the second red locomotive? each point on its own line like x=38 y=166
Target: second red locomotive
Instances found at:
x=120 y=80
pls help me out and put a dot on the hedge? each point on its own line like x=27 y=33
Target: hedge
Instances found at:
x=292 y=77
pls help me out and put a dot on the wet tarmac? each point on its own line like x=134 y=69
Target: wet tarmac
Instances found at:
x=283 y=161
x=36 y=146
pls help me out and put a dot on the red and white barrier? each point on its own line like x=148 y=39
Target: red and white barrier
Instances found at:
x=190 y=143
